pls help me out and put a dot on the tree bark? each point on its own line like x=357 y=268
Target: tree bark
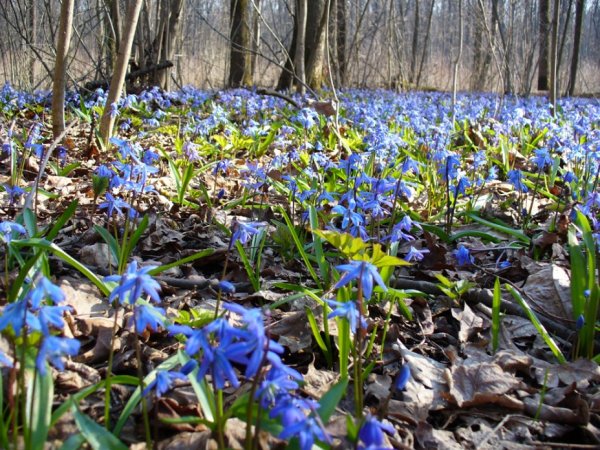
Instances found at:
x=415 y=45
x=240 y=62
x=340 y=40
x=544 y=64
x=60 y=67
x=118 y=78
x=172 y=21
x=577 y=31
x=300 y=50
x=315 y=61
x=554 y=56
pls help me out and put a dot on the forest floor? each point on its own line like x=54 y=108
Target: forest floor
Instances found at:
x=406 y=281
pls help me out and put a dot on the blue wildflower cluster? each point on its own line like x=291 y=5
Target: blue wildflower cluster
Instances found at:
x=39 y=312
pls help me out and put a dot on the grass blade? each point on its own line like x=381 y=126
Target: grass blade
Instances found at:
x=537 y=324
x=496 y=302
x=300 y=248
x=96 y=435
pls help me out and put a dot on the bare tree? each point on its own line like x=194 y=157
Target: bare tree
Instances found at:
x=577 y=31
x=544 y=63
x=60 y=67
x=118 y=78
x=554 y=55
x=316 y=29
x=300 y=49
x=240 y=65
x=458 y=58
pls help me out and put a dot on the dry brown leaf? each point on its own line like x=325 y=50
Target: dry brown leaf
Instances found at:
x=550 y=290
x=479 y=384
x=319 y=381
x=470 y=323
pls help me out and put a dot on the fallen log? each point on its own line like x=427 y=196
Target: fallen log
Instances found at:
x=131 y=76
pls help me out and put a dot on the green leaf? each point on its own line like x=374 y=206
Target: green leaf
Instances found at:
x=110 y=240
x=496 y=302
x=137 y=394
x=318 y=245
x=64 y=217
x=331 y=399
x=42 y=243
x=96 y=435
x=179 y=262
x=254 y=280
x=74 y=442
x=40 y=395
x=89 y=390
x=344 y=242
x=381 y=259
x=300 y=247
x=315 y=329
x=501 y=227
x=537 y=324
x=398 y=296
x=137 y=234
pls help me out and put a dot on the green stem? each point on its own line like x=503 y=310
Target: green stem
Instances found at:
x=108 y=387
x=140 y=371
x=219 y=419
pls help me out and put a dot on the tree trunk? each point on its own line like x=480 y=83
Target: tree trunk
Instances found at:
x=315 y=61
x=33 y=23
x=415 y=45
x=172 y=20
x=579 y=9
x=113 y=24
x=544 y=65
x=256 y=37
x=457 y=59
x=60 y=67
x=240 y=63
x=425 y=44
x=300 y=50
x=286 y=78
x=116 y=85
x=340 y=40
x=554 y=56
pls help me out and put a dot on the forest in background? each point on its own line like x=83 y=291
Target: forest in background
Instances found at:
x=479 y=45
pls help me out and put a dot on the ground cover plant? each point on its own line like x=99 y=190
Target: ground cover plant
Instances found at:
x=234 y=271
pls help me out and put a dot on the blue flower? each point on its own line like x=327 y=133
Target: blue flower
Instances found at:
x=8 y=229
x=244 y=231
x=542 y=158
x=463 y=256
x=416 y=254
x=54 y=349
x=348 y=214
x=113 y=204
x=306 y=430
x=45 y=289
x=348 y=311
x=226 y=287
x=133 y=284
x=52 y=316
x=163 y=382
x=402 y=377
x=371 y=432
x=580 y=322
x=364 y=272
x=15 y=315
x=5 y=360
x=148 y=316
x=516 y=178
x=14 y=193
